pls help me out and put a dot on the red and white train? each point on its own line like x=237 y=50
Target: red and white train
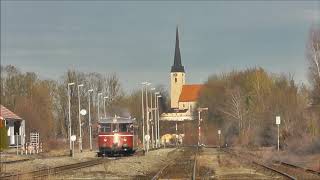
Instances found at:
x=116 y=136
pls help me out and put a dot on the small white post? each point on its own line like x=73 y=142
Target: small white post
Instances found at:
x=72 y=148
x=219 y=133
x=73 y=138
x=278 y=124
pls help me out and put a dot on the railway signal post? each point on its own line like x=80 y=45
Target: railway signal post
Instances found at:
x=69 y=115
x=80 y=133
x=199 y=123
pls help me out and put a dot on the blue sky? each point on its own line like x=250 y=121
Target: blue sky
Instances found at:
x=136 y=39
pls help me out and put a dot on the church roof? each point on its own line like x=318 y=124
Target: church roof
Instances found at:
x=177 y=66
x=190 y=92
x=7 y=114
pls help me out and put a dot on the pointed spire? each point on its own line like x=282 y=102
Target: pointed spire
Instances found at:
x=177 y=66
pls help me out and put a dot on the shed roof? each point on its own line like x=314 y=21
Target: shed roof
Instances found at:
x=7 y=114
x=190 y=92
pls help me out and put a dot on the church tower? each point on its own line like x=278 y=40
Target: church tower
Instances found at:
x=177 y=75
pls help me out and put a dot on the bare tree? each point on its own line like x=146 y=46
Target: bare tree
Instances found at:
x=313 y=56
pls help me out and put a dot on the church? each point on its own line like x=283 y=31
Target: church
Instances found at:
x=183 y=96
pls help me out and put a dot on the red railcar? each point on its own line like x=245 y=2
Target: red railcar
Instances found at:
x=116 y=136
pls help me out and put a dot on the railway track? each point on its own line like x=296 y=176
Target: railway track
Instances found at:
x=45 y=172
x=183 y=167
x=284 y=169
x=260 y=165
x=300 y=168
x=40 y=173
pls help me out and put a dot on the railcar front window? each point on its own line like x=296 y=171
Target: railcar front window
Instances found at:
x=105 y=128
x=123 y=127
x=115 y=128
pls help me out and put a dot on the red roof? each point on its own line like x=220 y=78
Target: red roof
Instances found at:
x=190 y=93
x=7 y=114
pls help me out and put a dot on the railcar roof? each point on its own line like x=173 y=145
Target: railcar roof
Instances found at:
x=117 y=120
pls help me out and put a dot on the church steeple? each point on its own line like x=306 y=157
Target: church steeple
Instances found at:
x=177 y=66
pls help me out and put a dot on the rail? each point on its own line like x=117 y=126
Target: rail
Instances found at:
x=160 y=173
x=55 y=170
x=299 y=167
x=194 y=172
x=262 y=165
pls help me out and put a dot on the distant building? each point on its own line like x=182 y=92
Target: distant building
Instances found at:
x=183 y=96
x=15 y=126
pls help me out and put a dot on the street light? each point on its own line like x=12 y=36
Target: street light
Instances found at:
x=80 y=136
x=99 y=94
x=142 y=110
x=70 y=84
x=104 y=105
x=148 y=118
x=152 y=120
x=90 y=125
x=199 y=127
x=156 y=117
x=147 y=111
x=158 y=114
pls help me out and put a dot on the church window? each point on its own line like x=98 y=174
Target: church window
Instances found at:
x=175 y=79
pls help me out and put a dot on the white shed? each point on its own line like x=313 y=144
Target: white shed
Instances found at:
x=15 y=127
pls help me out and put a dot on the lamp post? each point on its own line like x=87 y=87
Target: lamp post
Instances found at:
x=142 y=110
x=158 y=114
x=199 y=121
x=90 y=125
x=99 y=94
x=70 y=84
x=152 y=120
x=80 y=135
x=147 y=108
x=156 y=117
x=104 y=105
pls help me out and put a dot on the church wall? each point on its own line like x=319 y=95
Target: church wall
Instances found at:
x=187 y=105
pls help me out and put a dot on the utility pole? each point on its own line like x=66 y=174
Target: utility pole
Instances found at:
x=99 y=94
x=152 y=120
x=142 y=109
x=199 y=123
x=158 y=114
x=104 y=106
x=80 y=135
x=90 y=124
x=156 y=118
x=69 y=99
x=147 y=108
